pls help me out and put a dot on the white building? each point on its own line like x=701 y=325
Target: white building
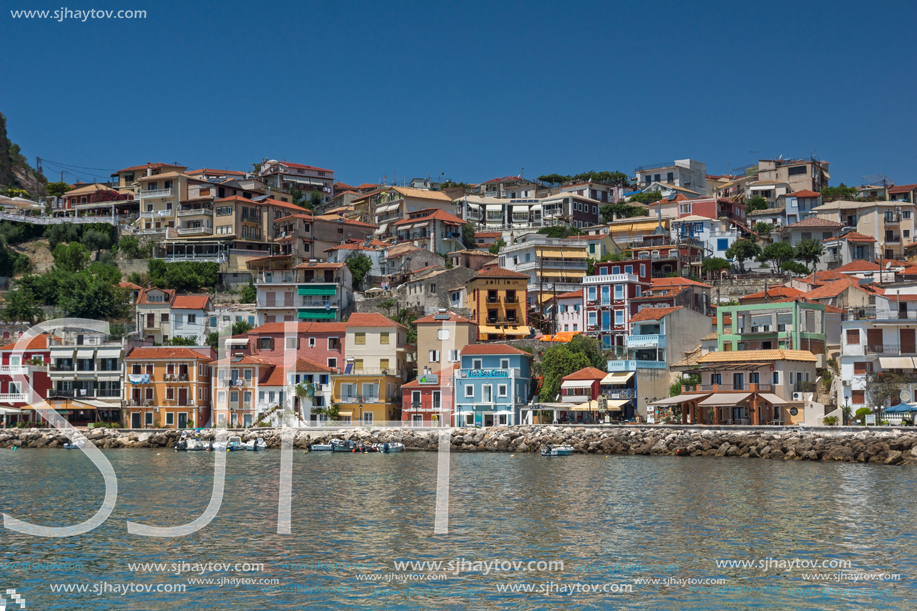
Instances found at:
x=287 y=176
x=191 y=317
x=685 y=173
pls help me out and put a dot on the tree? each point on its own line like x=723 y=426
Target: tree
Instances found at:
x=95 y=240
x=591 y=348
x=315 y=201
x=298 y=198
x=842 y=191
x=647 y=197
x=56 y=189
x=555 y=179
x=359 y=265
x=715 y=265
x=559 y=231
x=809 y=251
x=249 y=293
x=776 y=254
x=495 y=248
x=604 y=177
x=557 y=362
x=242 y=327
x=71 y=257
x=620 y=210
x=763 y=229
x=64 y=232
x=755 y=203
x=191 y=276
x=181 y=341
x=884 y=388
x=468 y=240
x=21 y=305
x=743 y=250
x=213 y=340
x=794 y=267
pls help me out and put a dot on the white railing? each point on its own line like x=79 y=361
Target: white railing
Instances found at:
x=610 y=278
x=11 y=397
x=194 y=230
x=14 y=370
x=152 y=214
x=156 y=193
x=195 y=211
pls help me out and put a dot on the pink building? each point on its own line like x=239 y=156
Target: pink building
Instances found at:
x=320 y=342
x=608 y=299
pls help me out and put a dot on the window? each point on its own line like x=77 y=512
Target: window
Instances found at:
x=359 y=338
x=469 y=391
x=333 y=343
x=383 y=364
x=858 y=397
x=312 y=342
x=797 y=171
x=722 y=243
x=333 y=363
x=442 y=334
x=853 y=336
x=434 y=356
x=415 y=398
x=860 y=368
x=164 y=318
x=292 y=343
x=192 y=319
x=684 y=208
x=504 y=363
x=906 y=214
x=170 y=419
x=619 y=317
x=358 y=364
x=628 y=269
x=437 y=402
x=619 y=292
x=476 y=364
x=170 y=393
x=501 y=390
x=591 y=293
x=383 y=338
x=266 y=343
x=453 y=356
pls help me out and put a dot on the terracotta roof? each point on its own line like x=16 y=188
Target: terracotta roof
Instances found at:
x=167 y=352
x=587 y=373
x=571 y=295
x=152 y=166
x=488 y=234
x=653 y=313
x=502 y=179
x=439 y=215
x=237 y=198
x=217 y=172
x=276 y=376
x=832 y=289
x=858 y=266
x=155 y=177
x=301 y=166
x=338 y=219
x=301 y=328
x=774 y=291
x=293 y=208
x=499 y=272
x=690 y=358
x=492 y=349
x=823 y=277
x=901 y=189
x=660 y=282
x=852 y=236
x=757 y=355
x=367 y=185
x=804 y=193
x=39 y=342
x=142 y=297
x=130 y=285
x=422 y=194
x=87 y=189
x=453 y=317
x=814 y=221
x=370 y=319
x=344 y=186
x=190 y=302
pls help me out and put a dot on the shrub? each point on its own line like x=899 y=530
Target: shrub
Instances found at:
x=830 y=420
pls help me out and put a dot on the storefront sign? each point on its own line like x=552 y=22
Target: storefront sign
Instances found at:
x=486 y=373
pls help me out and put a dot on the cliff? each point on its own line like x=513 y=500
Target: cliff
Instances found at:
x=15 y=171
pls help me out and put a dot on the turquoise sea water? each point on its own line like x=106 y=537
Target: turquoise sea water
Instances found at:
x=610 y=521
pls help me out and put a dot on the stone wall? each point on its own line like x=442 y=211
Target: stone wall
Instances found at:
x=727 y=289
x=887 y=446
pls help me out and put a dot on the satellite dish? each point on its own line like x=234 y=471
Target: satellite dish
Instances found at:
x=888 y=264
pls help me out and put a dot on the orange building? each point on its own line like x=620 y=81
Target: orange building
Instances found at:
x=167 y=387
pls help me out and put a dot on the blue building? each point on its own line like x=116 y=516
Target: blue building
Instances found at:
x=492 y=385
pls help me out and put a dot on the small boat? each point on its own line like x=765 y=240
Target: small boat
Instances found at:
x=366 y=448
x=235 y=444
x=340 y=445
x=389 y=448
x=75 y=445
x=255 y=444
x=320 y=447
x=550 y=450
x=193 y=443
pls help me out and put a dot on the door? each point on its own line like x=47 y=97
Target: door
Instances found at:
x=874 y=341
x=908 y=344
x=182 y=420
x=183 y=396
x=247 y=420
x=417 y=420
x=150 y=321
x=135 y=420
x=488 y=394
x=488 y=419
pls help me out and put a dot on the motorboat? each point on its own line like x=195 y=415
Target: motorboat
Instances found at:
x=235 y=444
x=550 y=450
x=320 y=447
x=192 y=443
x=367 y=448
x=389 y=448
x=253 y=445
x=76 y=444
x=342 y=445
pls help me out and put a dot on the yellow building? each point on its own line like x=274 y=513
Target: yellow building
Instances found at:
x=497 y=298
x=167 y=387
x=369 y=389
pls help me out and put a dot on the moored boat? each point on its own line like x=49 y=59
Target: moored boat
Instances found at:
x=550 y=450
x=389 y=448
x=320 y=447
x=341 y=445
x=75 y=445
x=253 y=445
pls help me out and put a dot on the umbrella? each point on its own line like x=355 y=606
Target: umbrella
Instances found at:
x=901 y=408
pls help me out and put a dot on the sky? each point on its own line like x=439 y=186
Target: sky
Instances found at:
x=465 y=90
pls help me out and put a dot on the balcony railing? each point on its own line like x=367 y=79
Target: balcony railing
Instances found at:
x=610 y=278
x=745 y=386
x=195 y=211
x=13 y=397
x=195 y=230
x=154 y=214
x=12 y=370
x=627 y=393
x=156 y=192
x=646 y=341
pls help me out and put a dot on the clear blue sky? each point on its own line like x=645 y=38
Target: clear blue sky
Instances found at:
x=474 y=90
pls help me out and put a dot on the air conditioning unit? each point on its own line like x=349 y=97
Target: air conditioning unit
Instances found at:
x=797 y=396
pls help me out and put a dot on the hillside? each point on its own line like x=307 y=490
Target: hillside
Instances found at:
x=15 y=171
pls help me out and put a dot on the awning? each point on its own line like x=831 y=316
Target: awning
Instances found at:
x=519 y=330
x=772 y=399
x=577 y=384
x=317 y=290
x=84 y=354
x=387 y=208
x=517 y=209
x=560 y=336
x=562 y=253
x=678 y=399
x=381 y=229
x=326 y=315
x=108 y=353
x=615 y=406
x=617 y=377
x=345 y=414
x=10 y=411
x=589 y=406
x=536 y=207
x=494 y=208
x=726 y=399
x=896 y=362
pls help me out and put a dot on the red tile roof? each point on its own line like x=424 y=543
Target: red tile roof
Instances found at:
x=237 y=198
x=300 y=328
x=488 y=234
x=653 y=313
x=168 y=352
x=276 y=375
x=453 y=317
x=39 y=342
x=439 y=215
x=852 y=236
x=502 y=178
x=901 y=189
x=142 y=297
x=343 y=186
x=293 y=208
x=130 y=285
x=370 y=319
x=832 y=289
x=823 y=277
x=804 y=193
x=858 y=266
x=814 y=221
x=301 y=166
x=191 y=302
x=216 y=172
x=153 y=166
x=571 y=295
x=774 y=291
x=367 y=185
x=492 y=349
x=494 y=271
x=661 y=282
x=587 y=373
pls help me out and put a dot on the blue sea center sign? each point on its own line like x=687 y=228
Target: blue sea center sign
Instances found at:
x=488 y=373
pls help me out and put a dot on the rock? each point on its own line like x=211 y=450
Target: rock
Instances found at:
x=894 y=457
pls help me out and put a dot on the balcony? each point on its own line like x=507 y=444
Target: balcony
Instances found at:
x=195 y=230
x=156 y=214
x=195 y=211
x=626 y=393
x=646 y=341
x=276 y=278
x=12 y=370
x=745 y=386
x=634 y=365
x=13 y=397
x=156 y=193
x=610 y=278
x=571 y=265
x=175 y=377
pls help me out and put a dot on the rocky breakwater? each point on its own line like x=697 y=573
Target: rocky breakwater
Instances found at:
x=883 y=446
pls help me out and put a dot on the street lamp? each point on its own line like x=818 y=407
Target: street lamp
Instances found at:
x=361 y=413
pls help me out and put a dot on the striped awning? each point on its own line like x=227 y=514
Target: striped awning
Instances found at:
x=617 y=377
